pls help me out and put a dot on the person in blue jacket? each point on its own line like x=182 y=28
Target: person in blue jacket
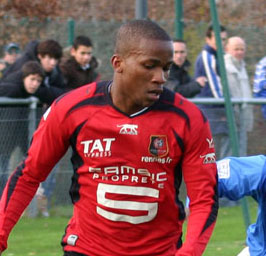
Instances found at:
x=246 y=176
x=207 y=65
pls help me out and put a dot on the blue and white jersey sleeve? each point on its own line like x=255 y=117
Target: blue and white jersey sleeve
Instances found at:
x=240 y=176
x=246 y=176
x=259 y=87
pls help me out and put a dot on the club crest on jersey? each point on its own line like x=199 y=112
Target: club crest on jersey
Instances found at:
x=158 y=145
x=130 y=129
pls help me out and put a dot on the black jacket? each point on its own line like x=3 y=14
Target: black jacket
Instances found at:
x=12 y=86
x=75 y=76
x=180 y=81
x=13 y=118
x=53 y=84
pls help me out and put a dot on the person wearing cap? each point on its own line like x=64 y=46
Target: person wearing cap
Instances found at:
x=11 y=53
x=48 y=53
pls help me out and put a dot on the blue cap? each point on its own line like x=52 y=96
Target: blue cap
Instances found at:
x=11 y=46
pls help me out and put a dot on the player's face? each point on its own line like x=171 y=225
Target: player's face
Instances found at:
x=180 y=53
x=142 y=73
x=32 y=83
x=48 y=63
x=82 y=54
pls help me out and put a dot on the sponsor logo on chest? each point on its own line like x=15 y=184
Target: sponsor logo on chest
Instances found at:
x=97 y=147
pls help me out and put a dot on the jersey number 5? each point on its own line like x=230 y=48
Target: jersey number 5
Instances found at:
x=151 y=207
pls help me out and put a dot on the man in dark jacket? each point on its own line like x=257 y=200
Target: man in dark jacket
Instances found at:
x=79 y=68
x=179 y=79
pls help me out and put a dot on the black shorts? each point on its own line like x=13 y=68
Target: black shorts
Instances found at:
x=74 y=254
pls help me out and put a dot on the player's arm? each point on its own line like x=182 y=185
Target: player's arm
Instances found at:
x=200 y=176
x=48 y=146
x=240 y=176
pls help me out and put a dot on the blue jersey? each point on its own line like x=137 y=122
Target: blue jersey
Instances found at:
x=246 y=176
x=259 y=88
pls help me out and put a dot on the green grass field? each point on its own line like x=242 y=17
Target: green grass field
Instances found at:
x=42 y=236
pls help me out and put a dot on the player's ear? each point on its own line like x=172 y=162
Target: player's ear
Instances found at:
x=117 y=61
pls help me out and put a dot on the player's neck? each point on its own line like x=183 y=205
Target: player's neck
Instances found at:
x=123 y=102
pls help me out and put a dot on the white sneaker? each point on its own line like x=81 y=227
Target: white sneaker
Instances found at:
x=244 y=252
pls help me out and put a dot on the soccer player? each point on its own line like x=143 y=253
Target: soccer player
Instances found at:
x=246 y=176
x=132 y=142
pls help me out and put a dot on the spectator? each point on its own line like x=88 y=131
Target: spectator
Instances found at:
x=11 y=53
x=132 y=142
x=79 y=68
x=239 y=87
x=23 y=83
x=48 y=53
x=12 y=85
x=207 y=65
x=13 y=125
x=259 y=87
x=179 y=79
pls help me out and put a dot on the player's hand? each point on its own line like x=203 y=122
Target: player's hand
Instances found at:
x=201 y=80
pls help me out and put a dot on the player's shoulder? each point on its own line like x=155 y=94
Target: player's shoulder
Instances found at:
x=81 y=94
x=176 y=100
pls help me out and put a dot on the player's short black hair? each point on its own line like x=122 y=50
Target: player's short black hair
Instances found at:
x=130 y=33
x=51 y=48
x=82 y=40
x=32 y=68
x=210 y=30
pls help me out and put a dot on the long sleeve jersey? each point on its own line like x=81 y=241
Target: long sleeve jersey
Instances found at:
x=246 y=176
x=127 y=171
x=259 y=87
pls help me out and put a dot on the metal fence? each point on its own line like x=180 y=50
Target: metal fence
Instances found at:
x=102 y=35
x=20 y=117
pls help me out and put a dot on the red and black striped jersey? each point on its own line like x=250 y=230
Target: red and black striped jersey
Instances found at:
x=127 y=171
